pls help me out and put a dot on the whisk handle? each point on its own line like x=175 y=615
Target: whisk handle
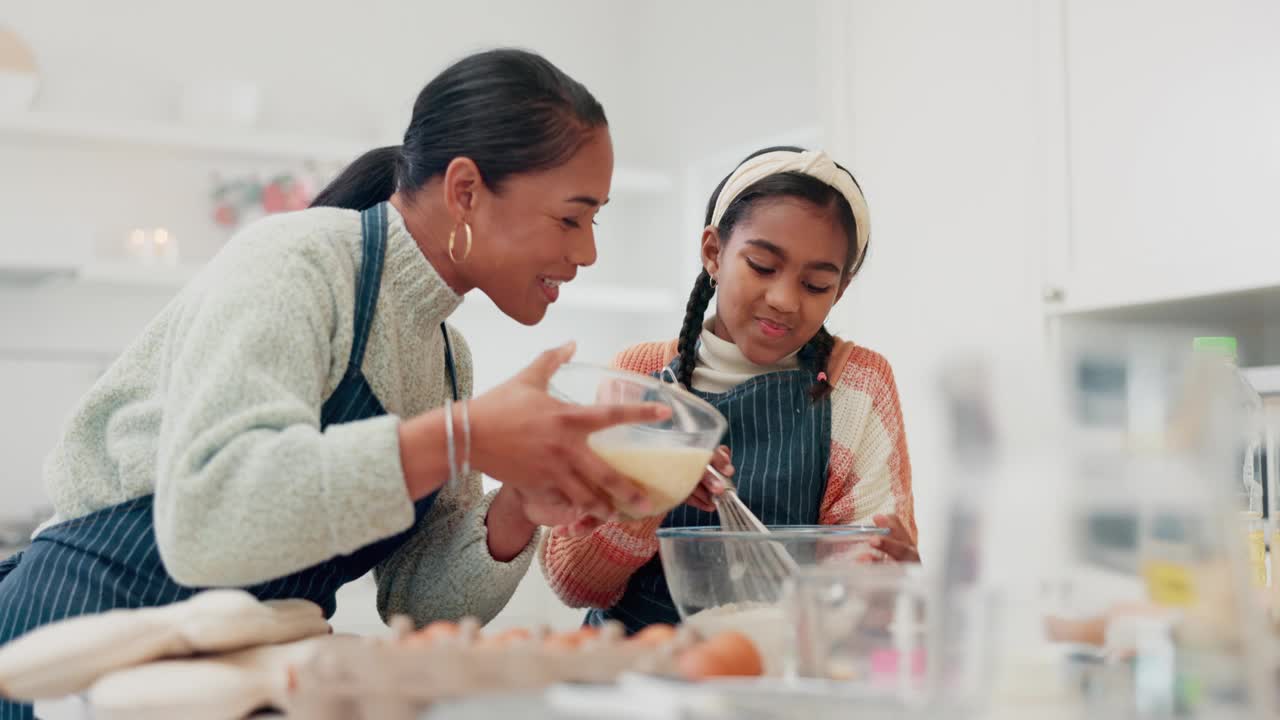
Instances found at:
x=728 y=484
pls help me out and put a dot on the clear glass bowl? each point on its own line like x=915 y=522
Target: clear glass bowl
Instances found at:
x=864 y=627
x=668 y=458
x=722 y=580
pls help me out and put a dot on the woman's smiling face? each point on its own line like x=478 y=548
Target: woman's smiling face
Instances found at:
x=534 y=234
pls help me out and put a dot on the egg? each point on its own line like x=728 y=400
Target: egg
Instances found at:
x=504 y=638
x=654 y=636
x=431 y=633
x=570 y=640
x=729 y=654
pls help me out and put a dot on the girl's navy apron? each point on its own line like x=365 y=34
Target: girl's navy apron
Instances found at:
x=109 y=559
x=781 y=444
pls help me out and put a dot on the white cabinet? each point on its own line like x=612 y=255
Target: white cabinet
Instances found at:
x=1151 y=131
x=1173 y=148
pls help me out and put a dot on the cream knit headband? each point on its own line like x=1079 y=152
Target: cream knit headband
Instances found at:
x=813 y=163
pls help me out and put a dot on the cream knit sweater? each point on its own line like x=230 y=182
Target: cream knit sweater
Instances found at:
x=215 y=409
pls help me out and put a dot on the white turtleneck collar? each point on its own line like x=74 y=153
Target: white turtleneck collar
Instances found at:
x=722 y=366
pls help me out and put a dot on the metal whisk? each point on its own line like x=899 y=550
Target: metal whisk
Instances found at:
x=758 y=567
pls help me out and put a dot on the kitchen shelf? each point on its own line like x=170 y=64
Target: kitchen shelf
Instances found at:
x=169 y=278
x=31 y=275
x=76 y=127
x=254 y=143
x=1258 y=304
x=1265 y=379
x=137 y=275
x=58 y=356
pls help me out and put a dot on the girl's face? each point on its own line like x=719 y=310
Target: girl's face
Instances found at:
x=535 y=234
x=777 y=276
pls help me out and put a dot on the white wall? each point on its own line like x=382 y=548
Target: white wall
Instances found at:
x=680 y=82
x=934 y=106
x=673 y=76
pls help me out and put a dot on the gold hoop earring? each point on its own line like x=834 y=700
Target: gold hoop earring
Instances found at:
x=452 y=235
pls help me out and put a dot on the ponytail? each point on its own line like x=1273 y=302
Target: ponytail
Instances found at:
x=370 y=180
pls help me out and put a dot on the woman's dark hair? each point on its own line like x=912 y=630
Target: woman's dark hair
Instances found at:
x=814 y=355
x=510 y=111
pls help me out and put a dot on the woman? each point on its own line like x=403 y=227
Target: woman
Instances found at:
x=279 y=426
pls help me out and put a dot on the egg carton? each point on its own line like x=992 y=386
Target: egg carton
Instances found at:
x=222 y=655
x=362 y=678
x=397 y=678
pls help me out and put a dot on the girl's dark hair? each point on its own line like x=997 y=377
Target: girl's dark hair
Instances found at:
x=510 y=111
x=815 y=354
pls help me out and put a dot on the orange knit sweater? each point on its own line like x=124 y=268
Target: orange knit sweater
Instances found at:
x=870 y=474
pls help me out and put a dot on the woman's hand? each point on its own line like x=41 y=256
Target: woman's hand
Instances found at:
x=897 y=546
x=700 y=498
x=703 y=496
x=550 y=509
x=524 y=438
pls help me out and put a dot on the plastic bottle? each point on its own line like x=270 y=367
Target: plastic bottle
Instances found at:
x=1249 y=490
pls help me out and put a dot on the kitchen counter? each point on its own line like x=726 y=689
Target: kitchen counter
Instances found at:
x=541 y=706
x=1038 y=685
x=538 y=707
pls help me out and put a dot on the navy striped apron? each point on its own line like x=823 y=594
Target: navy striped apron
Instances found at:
x=781 y=444
x=109 y=559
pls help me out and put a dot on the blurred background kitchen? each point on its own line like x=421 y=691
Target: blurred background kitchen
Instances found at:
x=1043 y=176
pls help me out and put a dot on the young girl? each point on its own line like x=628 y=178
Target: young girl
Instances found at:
x=814 y=422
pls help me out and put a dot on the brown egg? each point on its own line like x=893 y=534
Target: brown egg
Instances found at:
x=729 y=654
x=570 y=640
x=654 y=636
x=504 y=638
x=431 y=633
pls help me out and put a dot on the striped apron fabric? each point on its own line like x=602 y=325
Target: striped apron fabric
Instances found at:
x=781 y=445
x=109 y=559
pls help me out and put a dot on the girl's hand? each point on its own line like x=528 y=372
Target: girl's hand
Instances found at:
x=897 y=546
x=711 y=486
x=524 y=438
